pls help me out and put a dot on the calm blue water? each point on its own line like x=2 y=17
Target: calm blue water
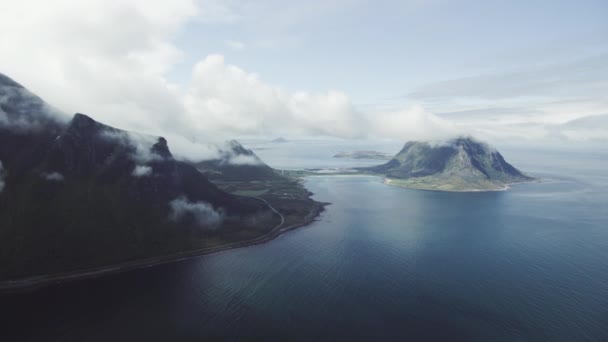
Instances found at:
x=382 y=263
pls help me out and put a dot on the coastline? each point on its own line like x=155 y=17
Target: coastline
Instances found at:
x=35 y=282
x=506 y=187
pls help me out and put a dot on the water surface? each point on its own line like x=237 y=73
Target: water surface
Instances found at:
x=381 y=263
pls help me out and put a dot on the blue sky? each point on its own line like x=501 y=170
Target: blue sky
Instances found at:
x=376 y=51
x=415 y=69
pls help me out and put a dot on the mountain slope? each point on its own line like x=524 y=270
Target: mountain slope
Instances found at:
x=462 y=164
x=82 y=194
x=237 y=164
x=27 y=126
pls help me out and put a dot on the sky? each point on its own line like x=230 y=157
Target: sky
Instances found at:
x=502 y=71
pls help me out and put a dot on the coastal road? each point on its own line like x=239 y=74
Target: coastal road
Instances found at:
x=276 y=211
x=46 y=279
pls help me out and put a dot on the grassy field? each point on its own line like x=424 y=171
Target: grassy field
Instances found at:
x=442 y=184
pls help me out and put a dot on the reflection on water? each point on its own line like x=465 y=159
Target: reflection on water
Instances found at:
x=381 y=263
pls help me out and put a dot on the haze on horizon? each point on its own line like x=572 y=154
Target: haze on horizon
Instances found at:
x=203 y=70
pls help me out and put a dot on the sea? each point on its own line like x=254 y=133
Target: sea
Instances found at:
x=382 y=263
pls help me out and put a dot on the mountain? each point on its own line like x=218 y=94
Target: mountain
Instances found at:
x=461 y=164
x=79 y=194
x=236 y=164
x=279 y=140
x=27 y=126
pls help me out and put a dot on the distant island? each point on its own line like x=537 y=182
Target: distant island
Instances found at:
x=364 y=155
x=279 y=140
x=461 y=164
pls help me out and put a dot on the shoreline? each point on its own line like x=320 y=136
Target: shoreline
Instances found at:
x=36 y=282
x=506 y=187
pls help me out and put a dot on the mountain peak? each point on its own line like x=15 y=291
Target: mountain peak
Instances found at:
x=236 y=148
x=83 y=120
x=161 y=148
x=8 y=82
x=237 y=163
x=84 y=125
x=462 y=163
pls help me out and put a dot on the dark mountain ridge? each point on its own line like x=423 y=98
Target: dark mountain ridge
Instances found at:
x=81 y=194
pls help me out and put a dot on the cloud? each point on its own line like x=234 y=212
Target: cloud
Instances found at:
x=139 y=144
x=528 y=104
x=201 y=213
x=2 y=182
x=582 y=78
x=414 y=123
x=235 y=45
x=588 y=128
x=223 y=97
x=53 y=176
x=111 y=61
x=114 y=61
x=106 y=58
x=21 y=110
x=141 y=171
x=244 y=160
x=191 y=149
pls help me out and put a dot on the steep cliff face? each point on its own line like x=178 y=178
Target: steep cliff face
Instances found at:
x=27 y=126
x=80 y=193
x=459 y=164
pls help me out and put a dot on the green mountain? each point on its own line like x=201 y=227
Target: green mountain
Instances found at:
x=237 y=164
x=78 y=194
x=461 y=164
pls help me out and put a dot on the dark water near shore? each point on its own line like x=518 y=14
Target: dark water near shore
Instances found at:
x=382 y=263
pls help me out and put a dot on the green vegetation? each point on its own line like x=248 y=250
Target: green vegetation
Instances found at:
x=287 y=196
x=445 y=184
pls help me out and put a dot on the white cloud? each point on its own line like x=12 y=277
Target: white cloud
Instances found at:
x=528 y=104
x=105 y=58
x=236 y=45
x=223 y=97
x=191 y=149
x=111 y=60
x=244 y=160
x=414 y=123
x=141 y=171
x=585 y=77
x=202 y=213
x=53 y=176
x=24 y=108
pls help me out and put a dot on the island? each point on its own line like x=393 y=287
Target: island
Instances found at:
x=459 y=164
x=374 y=155
x=279 y=140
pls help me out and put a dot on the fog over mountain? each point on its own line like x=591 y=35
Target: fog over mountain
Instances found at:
x=73 y=190
x=462 y=164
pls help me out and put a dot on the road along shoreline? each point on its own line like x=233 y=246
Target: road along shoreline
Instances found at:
x=31 y=283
